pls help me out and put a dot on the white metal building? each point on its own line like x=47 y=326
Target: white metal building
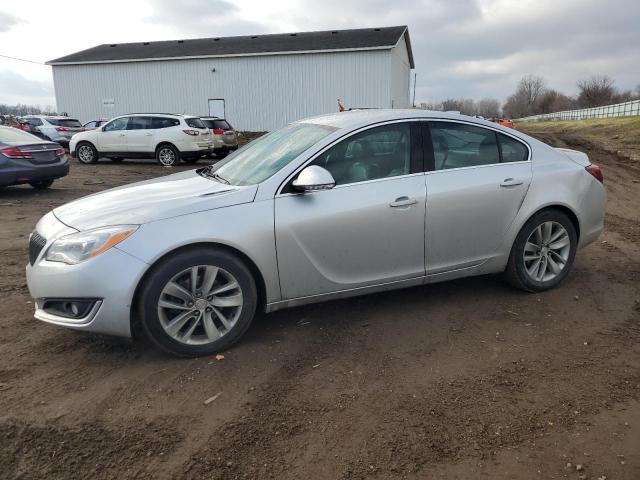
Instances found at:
x=258 y=82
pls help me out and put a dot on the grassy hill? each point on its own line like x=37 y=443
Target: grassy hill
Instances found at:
x=616 y=135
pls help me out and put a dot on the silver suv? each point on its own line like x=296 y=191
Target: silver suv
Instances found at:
x=56 y=129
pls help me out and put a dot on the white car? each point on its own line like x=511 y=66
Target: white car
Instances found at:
x=167 y=138
x=57 y=129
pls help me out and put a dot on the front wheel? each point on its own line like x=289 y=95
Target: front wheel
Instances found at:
x=543 y=252
x=198 y=302
x=86 y=153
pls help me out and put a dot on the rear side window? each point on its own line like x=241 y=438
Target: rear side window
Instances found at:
x=223 y=124
x=139 y=123
x=194 y=122
x=36 y=122
x=65 y=122
x=458 y=145
x=512 y=150
x=164 y=122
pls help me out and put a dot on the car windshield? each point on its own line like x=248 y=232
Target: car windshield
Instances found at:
x=223 y=124
x=263 y=157
x=13 y=135
x=65 y=122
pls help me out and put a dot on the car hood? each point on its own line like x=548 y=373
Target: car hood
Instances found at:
x=165 y=197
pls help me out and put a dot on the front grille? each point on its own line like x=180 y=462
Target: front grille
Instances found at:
x=36 y=244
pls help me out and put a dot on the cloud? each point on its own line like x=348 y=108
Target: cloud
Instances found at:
x=211 y=18
x=7 y=21
x=14 y=88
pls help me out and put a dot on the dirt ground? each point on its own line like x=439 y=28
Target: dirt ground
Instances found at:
x=467 y=379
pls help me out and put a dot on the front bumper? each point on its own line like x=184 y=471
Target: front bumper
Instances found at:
x=16 y=172
x=111 y=278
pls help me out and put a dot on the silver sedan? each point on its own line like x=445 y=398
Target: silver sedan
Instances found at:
x=324 y=208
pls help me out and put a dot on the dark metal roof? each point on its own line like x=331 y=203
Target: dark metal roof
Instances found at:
x=361 y=38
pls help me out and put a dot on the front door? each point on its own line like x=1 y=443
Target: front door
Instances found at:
x=139 y=135
x=113 y=137
x=367 y=230
x=475 y=188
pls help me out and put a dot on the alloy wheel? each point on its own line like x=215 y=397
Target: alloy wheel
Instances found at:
x=200 y=305
x=85 y=154
x=166 y=156
x=547 y=251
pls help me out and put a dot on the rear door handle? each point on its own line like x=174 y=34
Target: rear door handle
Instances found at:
x=403 y=202
x=511 y=182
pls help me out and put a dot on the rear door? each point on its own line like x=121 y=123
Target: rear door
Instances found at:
x=139 y=134
x=476 y=183
x=113 y=137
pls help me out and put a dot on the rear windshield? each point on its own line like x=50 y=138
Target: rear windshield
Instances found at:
x=65 y=122
x=194 y=122
x=13 y=135
x=223 y=124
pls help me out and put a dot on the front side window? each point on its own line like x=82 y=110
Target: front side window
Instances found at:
x=117 y=124
x=458 y=145
x=268 y=154
x=512 y=150
x=378 y=152
x=139 y=123
x=91 y=125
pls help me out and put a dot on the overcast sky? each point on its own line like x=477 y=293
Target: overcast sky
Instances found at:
x=462 y=48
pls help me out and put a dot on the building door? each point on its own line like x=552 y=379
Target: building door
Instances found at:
x=216 y=107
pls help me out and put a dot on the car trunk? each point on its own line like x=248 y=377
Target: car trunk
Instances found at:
x=41 y=153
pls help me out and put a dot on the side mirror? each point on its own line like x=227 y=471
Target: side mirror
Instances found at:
x=313 y=178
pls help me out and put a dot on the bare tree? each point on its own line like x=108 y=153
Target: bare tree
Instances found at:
x=596 y=91
x=488 y=107
x=524 y=101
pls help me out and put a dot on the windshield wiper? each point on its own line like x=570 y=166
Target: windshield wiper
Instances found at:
x=207 y=172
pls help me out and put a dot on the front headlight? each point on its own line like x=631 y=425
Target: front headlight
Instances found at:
x=81 y=246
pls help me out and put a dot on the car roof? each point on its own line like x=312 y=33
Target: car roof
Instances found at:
x=353 y=119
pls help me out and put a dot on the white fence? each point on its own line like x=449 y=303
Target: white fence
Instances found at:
x=625 y=109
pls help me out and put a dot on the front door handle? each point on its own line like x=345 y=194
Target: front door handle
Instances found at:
x=511 y=182
x=403 y=202
x=148 y=134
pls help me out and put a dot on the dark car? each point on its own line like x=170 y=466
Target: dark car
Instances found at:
x=25 y=158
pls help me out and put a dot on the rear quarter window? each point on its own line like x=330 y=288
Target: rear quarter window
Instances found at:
x=164 y=122
x=512 y=149
x=194 y=123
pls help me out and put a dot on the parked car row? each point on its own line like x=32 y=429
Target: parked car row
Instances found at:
x=169 y=138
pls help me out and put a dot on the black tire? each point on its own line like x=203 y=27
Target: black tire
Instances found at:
x=86 y=153
x=42 y=184
x=167 y=155
x=116 y=159
x=163 y=272
x=191 y=159
x=516 y=272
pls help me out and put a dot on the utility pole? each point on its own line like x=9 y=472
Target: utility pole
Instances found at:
x=415 y=76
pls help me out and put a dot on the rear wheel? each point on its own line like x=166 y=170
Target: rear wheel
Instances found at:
x=86 y=153
x=198 y=302
x=41 y=184
x=543 y=252
x=167 y=155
